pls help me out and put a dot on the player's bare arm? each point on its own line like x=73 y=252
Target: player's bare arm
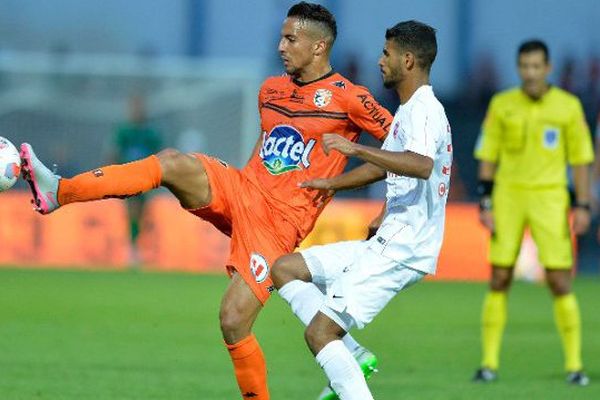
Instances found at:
x=581 y=212
x=358 y=177
x=487 y=171
x=405 y=163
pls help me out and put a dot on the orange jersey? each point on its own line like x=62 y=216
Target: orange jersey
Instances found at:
x=294 y=116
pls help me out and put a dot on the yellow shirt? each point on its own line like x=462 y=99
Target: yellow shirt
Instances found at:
x=533 y=141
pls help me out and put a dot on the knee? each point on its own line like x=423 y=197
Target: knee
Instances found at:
x=288 y=268
x=501 y=281
x=176 y=164
x=500 y=285
x=280 y=272
x=559 y=287
x=231 y=321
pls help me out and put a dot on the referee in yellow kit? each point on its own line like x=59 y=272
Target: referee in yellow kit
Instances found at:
x=530 y=135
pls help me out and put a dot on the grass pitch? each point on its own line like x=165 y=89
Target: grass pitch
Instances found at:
x=105 y=335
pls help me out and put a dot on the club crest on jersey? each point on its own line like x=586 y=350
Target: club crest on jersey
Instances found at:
x=551 y=138
x=284 y=150
x=322 y=97
x=259 y=267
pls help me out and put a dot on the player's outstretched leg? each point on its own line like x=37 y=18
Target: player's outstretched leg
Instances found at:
x=182 y=174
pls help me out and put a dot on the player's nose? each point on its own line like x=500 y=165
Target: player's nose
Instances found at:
x=281 y=46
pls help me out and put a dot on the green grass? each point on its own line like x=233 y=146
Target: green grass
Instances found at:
x=84 y=335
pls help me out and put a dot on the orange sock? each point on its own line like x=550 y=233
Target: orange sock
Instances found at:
x=119 y=181
x=250 y=368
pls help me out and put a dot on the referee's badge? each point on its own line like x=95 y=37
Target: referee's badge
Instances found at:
x=551 y=136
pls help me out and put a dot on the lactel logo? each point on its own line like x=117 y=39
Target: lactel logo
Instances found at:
x=284 y=150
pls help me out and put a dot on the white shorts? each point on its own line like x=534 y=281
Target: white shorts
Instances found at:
x=359 y=281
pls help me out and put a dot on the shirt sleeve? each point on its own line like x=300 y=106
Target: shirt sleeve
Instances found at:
x=487 y=147
x=423 y=136
x=580 y=149
x=368 y=114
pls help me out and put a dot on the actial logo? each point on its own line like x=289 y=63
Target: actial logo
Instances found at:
x=284 y=150
x=374 y=110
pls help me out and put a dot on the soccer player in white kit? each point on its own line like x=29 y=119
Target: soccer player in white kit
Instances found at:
x=361 y=277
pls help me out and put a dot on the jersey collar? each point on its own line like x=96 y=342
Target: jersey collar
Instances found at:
x=541 y=99
x=327 y=75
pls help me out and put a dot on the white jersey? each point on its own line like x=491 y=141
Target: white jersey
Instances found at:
x=413 y=227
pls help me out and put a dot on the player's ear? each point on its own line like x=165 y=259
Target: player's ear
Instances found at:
x=409 y=60
x=320 y=47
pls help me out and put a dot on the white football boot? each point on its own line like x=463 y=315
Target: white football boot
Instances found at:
x=43 y=182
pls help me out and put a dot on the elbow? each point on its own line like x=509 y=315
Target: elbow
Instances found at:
x=426 y=169
x=424 y=175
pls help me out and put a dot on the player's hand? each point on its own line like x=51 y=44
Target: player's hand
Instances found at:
x=581 y=220
x=332 y=141
x=487 y=219
x=323 y=188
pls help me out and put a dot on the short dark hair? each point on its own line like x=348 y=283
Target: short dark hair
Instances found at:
x=315 y=13
x=534 y=45
x=416 y=37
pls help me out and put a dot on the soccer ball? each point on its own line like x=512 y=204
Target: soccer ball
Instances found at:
x=10 y=164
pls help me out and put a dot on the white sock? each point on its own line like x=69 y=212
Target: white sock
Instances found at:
x=306 y=299
x=345 y=376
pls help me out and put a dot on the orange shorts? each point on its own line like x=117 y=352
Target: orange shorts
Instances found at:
x=259 y=234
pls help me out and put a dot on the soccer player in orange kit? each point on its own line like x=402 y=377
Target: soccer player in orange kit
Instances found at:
x=261 y=207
